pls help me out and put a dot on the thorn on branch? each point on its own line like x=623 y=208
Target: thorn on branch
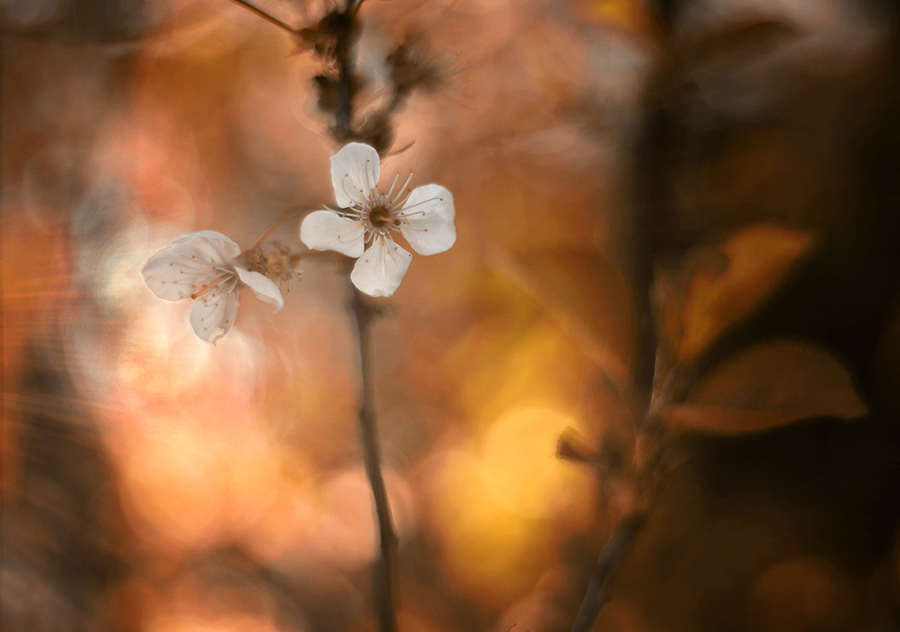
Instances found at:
x=571 y=446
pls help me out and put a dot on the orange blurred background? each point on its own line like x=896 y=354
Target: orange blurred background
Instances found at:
x=180 y=487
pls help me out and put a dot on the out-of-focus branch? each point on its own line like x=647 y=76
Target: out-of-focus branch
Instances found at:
x=333 y=39
x=363 y=313
x=612 y=553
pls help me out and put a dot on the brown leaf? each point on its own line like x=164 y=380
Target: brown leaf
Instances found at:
x=746 y=37
x=766 y=386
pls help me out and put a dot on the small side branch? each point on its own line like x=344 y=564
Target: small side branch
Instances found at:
x=363 y=313
x=612 y=553
x=265 y=16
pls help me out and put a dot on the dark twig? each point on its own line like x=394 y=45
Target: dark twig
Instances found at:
x=265 y=16
x=363 y=313
x=611 y=554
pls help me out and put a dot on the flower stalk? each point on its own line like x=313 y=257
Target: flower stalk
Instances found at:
x=363 y=314
x=423 y=216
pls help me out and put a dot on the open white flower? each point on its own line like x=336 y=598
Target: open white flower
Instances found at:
x=424 y=217
x=205 y=267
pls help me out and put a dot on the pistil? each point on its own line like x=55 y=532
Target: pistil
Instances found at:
x=206 y=288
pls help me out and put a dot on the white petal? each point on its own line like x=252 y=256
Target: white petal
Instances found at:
x=176 y=271
x=324 y=230
x=355 y=170
x=381 y=268
x=208 y=242
x=427 y=219
x=167 y=276
x=213 y=313
x=265 y=288
x=173 y=276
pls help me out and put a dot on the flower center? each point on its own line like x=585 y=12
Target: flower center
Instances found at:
x=380 y=216
x=206 y=288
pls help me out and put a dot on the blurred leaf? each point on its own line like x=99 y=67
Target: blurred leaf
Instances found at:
x=760 y=258
x=584 y=296
x=672 y=288
x=751 y=35
x=624 y=14
x=769 y=385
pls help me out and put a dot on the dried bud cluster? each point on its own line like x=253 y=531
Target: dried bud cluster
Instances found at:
x=332 y=38
x=412 y=67
x=409 y=67
x=275 y=261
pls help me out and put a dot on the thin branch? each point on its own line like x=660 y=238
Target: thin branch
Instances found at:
x=290 y=214
x=265 y=16
x=343 y=55
x=344 y=114
x=363 y=314
x=612 y=553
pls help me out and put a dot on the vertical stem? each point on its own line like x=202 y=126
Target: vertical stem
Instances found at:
x=344 y=114
x=383 y=572
x=343 y=55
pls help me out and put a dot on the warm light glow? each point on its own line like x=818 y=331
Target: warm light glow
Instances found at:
x=483 y=544
x=205 y=621
x=519 y=464
x=175 y=486
x=493 y=502
x=159 y=356
x=117 y=281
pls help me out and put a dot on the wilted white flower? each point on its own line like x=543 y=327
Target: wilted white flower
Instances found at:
x=209 y=268
x=424 y=217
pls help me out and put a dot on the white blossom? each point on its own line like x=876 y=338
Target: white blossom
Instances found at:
x=370 y=218
x=209 y=268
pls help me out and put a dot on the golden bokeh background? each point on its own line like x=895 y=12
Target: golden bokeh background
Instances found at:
x=152 y=482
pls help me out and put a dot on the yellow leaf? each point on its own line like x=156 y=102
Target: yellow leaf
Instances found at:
x=760 y=258
x=585 y=297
